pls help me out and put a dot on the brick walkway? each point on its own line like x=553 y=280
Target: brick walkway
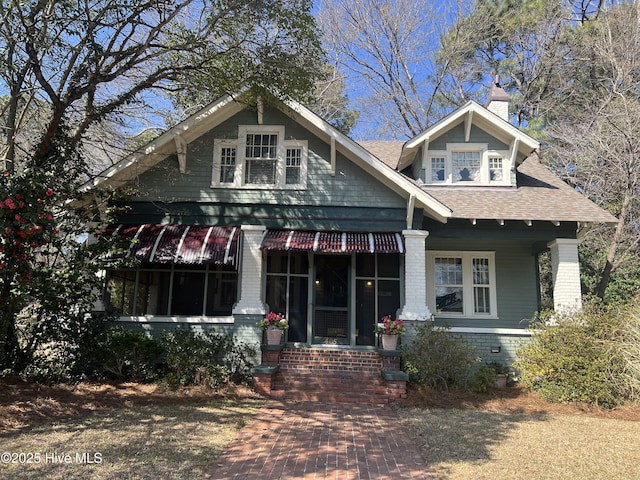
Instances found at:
x=319 y=441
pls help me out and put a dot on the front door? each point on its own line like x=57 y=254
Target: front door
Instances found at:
x=331 y=324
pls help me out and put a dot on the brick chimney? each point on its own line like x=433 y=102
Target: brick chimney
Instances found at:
x=498 y=101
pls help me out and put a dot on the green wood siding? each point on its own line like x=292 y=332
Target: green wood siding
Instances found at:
x=516 y=282
x=351 y=186
x=456 y=135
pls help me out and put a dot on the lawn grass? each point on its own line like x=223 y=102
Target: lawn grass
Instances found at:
x=472 y=444
x=152 y=442
x=183 y=440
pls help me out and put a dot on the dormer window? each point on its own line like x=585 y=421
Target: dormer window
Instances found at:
x=259 y=158
x=466 y=164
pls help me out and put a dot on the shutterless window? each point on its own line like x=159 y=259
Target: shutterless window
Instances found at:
x=261 y=156
x=287 y=290
x=166 y=290
x=377 y=292
x=294 y=163
x=449 y=285
x=481 y=288
x=227 y=164
x=495 y=169
x=464 y=284
x=438 y=169
x=466 y=166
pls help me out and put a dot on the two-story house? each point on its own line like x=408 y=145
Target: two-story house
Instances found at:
x=245 y=210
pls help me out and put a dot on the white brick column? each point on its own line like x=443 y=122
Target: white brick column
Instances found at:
x=415 y=276
x=250 y=302
x=98 y=304
x=566 y=274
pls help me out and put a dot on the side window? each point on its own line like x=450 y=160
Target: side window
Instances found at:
x=438 y=166
x=463 y=284
x=225 y=164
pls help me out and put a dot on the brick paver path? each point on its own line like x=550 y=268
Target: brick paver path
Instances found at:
x=319 y=441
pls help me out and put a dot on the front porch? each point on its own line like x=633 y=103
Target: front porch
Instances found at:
x=330 y=374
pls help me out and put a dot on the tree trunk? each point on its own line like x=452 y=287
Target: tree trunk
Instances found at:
x=608 y=269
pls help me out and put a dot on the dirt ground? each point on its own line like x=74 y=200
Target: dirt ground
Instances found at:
x=24 y=404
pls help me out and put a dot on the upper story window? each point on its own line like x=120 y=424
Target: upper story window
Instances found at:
x=259 y=158
x=467 y=164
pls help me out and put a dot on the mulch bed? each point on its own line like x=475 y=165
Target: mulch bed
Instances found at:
x=24 y=404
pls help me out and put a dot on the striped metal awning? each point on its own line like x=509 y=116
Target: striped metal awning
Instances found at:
x=182 y=244
x=332 y=242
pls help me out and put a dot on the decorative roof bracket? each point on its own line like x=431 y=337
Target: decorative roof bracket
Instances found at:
x=181 y=151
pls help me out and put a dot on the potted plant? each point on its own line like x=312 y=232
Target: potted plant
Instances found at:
x=389 y=331
x=274 y=324
x=501 y=372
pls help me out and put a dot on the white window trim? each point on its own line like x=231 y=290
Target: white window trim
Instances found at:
x=218 y=145
x=467 y=284
x=486 y=153
x=240 y=143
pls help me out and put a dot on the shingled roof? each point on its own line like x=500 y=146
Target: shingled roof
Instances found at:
x=540 y=195
x=387 y=151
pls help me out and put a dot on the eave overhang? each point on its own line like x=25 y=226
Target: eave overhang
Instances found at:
x=175 y=140
x=470 y=114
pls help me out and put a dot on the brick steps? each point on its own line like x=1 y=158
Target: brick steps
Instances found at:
x=330 y=375
x=339 y=386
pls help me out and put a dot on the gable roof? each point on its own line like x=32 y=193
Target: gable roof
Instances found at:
x=540 y=195
x=471 y=113
x=176 y=140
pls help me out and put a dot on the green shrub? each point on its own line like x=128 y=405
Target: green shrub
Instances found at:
x=207 y=359
x=436 y=357
x=577 y=357
x=65 y=360
x=485 y=379
x=631 y=347
x=126 y=353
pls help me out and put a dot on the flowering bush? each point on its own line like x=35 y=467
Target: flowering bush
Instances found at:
x=275 y=320
x=391 y=327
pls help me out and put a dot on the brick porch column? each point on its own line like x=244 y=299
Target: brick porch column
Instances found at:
x=250 y=302
x=567 y=294
x=415 y=276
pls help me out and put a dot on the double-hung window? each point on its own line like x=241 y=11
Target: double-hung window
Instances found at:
x=260 y=158
x=467 y=164
x=462 y=284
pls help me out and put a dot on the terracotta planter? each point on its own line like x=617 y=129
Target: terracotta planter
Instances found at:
x=389 y=342
x=274 y=335
x=501 y=381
